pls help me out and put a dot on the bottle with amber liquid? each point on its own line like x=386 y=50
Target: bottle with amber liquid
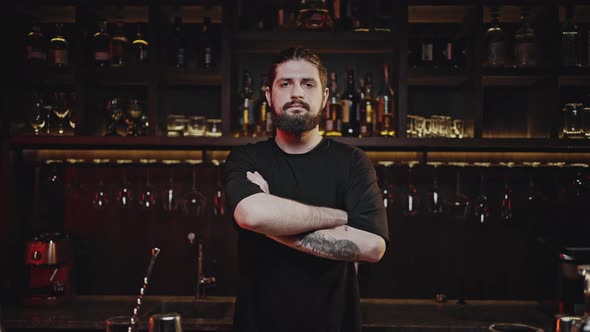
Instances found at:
x=120 y=43
x=59 y=50
x=101 y=42
x=386 y=107
x=140 y=47
x=333 y=121
x=367 y=109
x=36 y=45
x=314 y=15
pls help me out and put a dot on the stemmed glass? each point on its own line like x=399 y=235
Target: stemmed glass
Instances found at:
x=147 y=198
x=434 y=203
x=481 y=209
x=170 y=199
x=100 y=198
x=194 y=201
x=410 y=197
x=38 y=117
x=461 y=204
x=125 y=196
x=506 y=205
x=61 y=109
x=219 y=198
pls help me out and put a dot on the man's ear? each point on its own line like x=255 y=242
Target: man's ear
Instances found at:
x=267 y=94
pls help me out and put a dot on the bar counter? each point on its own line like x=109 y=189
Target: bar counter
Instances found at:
x=87 y=313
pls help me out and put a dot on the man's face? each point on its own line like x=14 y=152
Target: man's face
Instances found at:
x=297 y=97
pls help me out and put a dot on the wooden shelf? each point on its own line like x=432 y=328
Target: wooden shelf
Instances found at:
x=321 y=42
x=510 y=80
x=226 y=143
x=574 y=80
x=436 y=79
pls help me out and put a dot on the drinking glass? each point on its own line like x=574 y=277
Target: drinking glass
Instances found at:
x=410 y=197
x=433 y=202
x=419 y=125
x=572 y=120
x=120 y=324
x=61 y=109
x=214 y=127
x=411 y=125
x=461 y=204
x=37 y=119
x=458 y=128
x=196 y=125
x=125 y=196
x=194 y=201
x=586 y=121
x=147 y=198
x=176 y=125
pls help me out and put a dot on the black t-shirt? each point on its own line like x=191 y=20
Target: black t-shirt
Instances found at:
x=282 y=289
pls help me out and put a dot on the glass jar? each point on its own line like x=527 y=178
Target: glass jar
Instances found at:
x=213 y=128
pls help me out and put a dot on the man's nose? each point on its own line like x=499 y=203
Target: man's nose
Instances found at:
x=296 y=92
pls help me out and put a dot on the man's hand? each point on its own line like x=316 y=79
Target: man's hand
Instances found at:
x=259 y=180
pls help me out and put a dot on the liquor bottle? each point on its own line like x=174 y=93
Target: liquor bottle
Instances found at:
x=245 y=106
x=140 y=47
x=570 y=41
x=386 y=115
x=177 y=50
x=460 y=205
x=36 y=45
x=444 y=52
x=206 y=47
x=524 y=42
x=314 y=15
x=350 y=100
x=496 y=42
x=367 y=108
x=102 y=45
x=59 y=48
x=120 y=43
x=333 y=120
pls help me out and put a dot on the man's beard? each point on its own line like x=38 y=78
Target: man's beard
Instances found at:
x=298 y=123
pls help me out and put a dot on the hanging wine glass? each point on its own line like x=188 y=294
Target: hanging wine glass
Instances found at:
x=147 y=198
x=124 y=196
x=219 y=197
x=387 y=188
x=410 y=197
x=481 y=208
x=170 y=199
x=194 y=201
x=100 y=198
x=506 y=207
x=433 y=202
x=460 y=204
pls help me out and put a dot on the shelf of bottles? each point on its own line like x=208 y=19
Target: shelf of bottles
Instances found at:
x=128 y=55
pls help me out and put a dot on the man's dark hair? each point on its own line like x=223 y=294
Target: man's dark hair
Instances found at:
x=298 y=53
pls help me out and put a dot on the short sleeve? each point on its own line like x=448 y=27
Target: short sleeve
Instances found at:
x=237 y=187
x=364 y=202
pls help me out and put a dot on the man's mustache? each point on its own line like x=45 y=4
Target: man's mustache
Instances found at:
x=299 y=103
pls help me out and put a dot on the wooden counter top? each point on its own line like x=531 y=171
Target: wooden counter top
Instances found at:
x=90 y=312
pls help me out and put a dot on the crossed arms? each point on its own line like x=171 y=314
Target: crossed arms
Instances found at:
x=320 y=231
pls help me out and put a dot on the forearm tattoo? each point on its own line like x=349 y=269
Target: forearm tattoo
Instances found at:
x=329 y=247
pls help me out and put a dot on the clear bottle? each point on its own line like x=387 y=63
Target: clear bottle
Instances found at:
x=177 y=50
x=570 y=40
x=314 y=15
x=102 y=47
x=333 y=120
x=496 y=42
x=59 y=48
x=524 y=42
x=120 y=43
x=206 y=56
x=140 y=47
x=350 y=101
x=36 y=45
x=386 y=115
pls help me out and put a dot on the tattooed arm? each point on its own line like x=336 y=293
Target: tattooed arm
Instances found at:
x=343 y=243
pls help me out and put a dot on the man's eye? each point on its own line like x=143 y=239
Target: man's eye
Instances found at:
x=309 y=85
x=284 y=84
